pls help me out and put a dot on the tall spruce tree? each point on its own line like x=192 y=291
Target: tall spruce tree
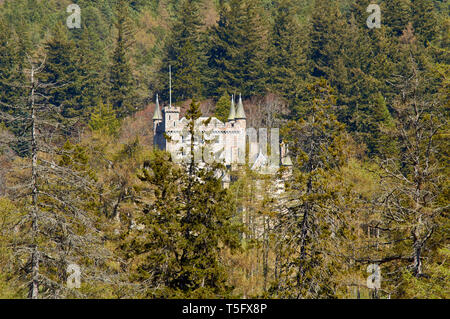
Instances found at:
x=187 y=221
x=414 y=201
x=62 y=69
x=11 y=71
x=56 y=190
x=396 y=15
x=424 y=20
x=286 y=60
x=311 y=213
x=184 y=52
x=326 y=29
x=237 y=49
x=121 y=78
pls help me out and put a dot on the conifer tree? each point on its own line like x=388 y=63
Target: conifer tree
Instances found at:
x=396 y=15
x=237 y=49
x=311 y=213
x=414 y=199
x=286 y=61
x=93 y=71
x=222 y=109
x=11 y=71
x=424 y=20
x=104 y=119
x=186 y=222
x=56 y=189
x=62 y=69
x=327 y=27
x=121 y=78
x=184 y=52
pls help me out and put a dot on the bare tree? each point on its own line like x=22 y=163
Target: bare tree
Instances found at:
x=58 y=193
x=414 y=180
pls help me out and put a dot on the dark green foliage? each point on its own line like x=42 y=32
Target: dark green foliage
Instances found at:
x=121 y=79
x=186 y=225
x=306 y=265
x=326 y=30
x=286 y=61
x=425 y=20
x=237 y=53
x=222 y=109
x=396 y=14
x=61 y=69
x=12 y=59
x=184 y=52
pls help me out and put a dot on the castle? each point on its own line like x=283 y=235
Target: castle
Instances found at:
x=226 y=142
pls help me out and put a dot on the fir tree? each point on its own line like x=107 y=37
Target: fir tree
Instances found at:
x=326 y=30
x=396 y=15
x=237 y=50
x=424 y=20
x=311 y=213
x=186 y=223
x=62 y=69
x=184 y=53
x=222 y=109
x=286 y=62
x=104 y=119
x=121 y=79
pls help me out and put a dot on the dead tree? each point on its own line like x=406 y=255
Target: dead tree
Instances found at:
x=414 y=180
x=53 y=184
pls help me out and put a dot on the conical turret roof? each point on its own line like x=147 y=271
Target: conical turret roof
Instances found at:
x=232 y=110
x=157 y=115
x=240 y=113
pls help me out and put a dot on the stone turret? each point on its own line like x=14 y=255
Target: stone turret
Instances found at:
x=158 y=129
x=240 y=113
x=232 y=115
x=157 y=114
x=171 y=116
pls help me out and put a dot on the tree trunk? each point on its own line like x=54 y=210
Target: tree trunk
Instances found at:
x=34 y=289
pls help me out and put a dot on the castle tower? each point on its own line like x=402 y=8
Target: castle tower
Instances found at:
x=171 y=115
x=157 y=120
x=241 y=125
x=240 y=117
x=232 y=114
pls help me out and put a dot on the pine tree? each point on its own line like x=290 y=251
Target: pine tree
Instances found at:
x=396 y=14
x=121 y=78
x=414 y=199
x=237 y=50
x=104 y=119
x=286 y=61
x=186 y=221
x=222 y=109
x=184 y=53
x=306 y=261
x=62 y=68
x=92 y=68
x=11 y=71
x=424 y=20
x=327 y=28
x=56 y=190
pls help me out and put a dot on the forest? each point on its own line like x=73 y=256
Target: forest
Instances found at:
x=84 y=193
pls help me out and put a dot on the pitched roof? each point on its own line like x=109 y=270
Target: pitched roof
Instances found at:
x=157 y=115
x=240 y=113
x=232 y=110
